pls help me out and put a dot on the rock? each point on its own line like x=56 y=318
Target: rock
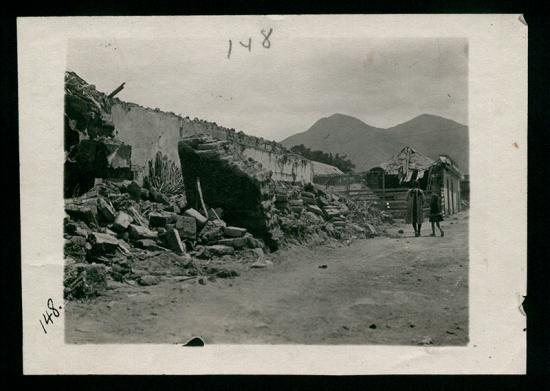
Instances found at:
x=315 y=209
x=138 y=219
x=148 y=244
x=331 y=212
x=313 y=217
x=371 y=230
x=259 y=252
x=309 y=201
x=236 y=243
x=140 y=232
x=201 y=220
x=70 y=228
x=281 y=197
x=296 y=203
x=85 y=212
x=122 y=222
x=212 y=231
x=296 y=209
x=148 y=280
x=401 y=231
x=103 y=243
x=308 y=194
x=78 y=241
x=85 y=280
x=106 y=210
x=173 y=241
x=255 y=243
x=426 y=341
x=187 y=227
x=356 y=227
x=234 y=232
x=134 y=190
x=76 y=229
x=343 y=209
x=202 y=281
x=323 y=266
x=218 y=250
x=158 y=219
x=81 y=232
x=261 y=264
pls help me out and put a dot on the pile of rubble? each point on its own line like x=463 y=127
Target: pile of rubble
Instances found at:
x=91 y=148
x=308 y=213
x=112 y=229
x=278 y=212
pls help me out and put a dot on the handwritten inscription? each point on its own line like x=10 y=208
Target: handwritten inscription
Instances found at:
x=49 y=316
x=266 y=42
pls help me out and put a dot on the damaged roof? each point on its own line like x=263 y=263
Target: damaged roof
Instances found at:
x=409 y=161
x=406 y=160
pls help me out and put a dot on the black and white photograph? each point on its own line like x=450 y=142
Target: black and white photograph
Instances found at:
x=255 y=186
x=310 y=207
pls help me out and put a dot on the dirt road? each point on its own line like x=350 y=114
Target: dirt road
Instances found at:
x=385 y=290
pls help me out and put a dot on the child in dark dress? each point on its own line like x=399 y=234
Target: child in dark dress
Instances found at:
x=435 y=213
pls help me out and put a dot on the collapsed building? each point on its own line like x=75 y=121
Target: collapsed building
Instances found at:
x=141 y=182
x=392 y=179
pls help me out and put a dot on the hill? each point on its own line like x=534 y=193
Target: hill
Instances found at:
x=367 y=146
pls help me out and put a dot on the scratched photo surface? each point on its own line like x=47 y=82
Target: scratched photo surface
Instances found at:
x=221 y=191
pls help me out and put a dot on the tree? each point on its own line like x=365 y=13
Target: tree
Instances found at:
x=341 y=162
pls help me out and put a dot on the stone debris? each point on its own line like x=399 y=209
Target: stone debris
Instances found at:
x=199 y=218
x=234 y=232
x=173 y=241
x=122 y=222
x=170 y=224
x=187 y=227
x=84 y=280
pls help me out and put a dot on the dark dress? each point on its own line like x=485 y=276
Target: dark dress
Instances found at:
x=435 y=209
x=415 y=203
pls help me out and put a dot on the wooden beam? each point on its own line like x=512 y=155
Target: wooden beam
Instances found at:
x=118 y=89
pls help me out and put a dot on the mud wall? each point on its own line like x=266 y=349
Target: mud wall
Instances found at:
x=149 y=131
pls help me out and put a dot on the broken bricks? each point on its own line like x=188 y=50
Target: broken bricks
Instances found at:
x=187 y=227
x=217 y=250
x=84 y=280
x=140 y=232
x=234 y=232
x=122 y=222
x=173 y=241
x=201 y=220
x=161 y=219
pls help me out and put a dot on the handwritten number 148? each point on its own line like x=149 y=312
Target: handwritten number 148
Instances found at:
x=48 y=315
x=266 y=43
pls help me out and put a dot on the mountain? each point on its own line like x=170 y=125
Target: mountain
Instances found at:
x=367 y=146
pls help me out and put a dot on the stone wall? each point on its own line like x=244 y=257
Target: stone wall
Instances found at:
x=149 y=131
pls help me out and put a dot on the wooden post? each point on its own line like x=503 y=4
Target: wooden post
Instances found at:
x=200 y=196
x=116 y=91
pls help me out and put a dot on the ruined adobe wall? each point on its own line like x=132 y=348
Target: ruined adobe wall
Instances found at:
x=150 y=130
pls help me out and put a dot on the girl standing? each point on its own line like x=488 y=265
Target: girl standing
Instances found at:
x=435 y=213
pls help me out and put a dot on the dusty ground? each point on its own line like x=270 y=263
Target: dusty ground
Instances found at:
x=401 y=290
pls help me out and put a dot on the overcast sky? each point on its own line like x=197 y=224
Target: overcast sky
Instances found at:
x=276 y=92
